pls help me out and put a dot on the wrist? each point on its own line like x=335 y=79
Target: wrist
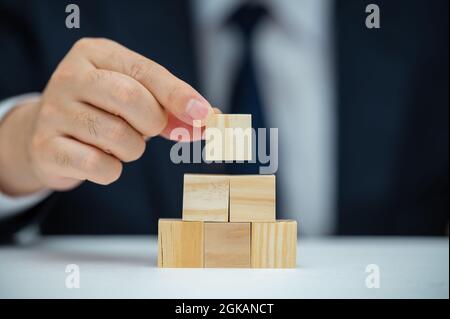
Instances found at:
x=17 y=177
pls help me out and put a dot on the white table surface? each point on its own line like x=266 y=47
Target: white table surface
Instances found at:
x=125 y=267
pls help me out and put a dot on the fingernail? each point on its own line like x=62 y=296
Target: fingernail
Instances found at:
x=197 y=110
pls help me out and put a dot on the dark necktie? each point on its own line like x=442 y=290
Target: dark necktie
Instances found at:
x=245 y=94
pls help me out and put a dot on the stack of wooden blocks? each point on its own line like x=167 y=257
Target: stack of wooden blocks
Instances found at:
x=228 y=221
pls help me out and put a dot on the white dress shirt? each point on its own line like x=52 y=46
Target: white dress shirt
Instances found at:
x=294 y=56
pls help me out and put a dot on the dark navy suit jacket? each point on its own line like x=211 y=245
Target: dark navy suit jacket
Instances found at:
x=392 y=86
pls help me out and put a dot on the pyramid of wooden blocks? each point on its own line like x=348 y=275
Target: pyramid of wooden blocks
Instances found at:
x=229 y=221
x=228 y=137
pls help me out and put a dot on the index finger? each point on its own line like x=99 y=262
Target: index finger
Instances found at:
x=175 y=95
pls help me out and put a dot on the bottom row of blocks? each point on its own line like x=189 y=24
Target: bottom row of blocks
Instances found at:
x=195 y=244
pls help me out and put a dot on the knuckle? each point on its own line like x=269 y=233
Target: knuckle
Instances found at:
x=48 y=111
x=139 y=70
x=89 y=122
x=115 y=58
x=96 y=75
x=90 y=42
x=101 y=41
x=83 y=43
x=118 y=131
x=92 y=162
x=126 y=92
x=63 y=73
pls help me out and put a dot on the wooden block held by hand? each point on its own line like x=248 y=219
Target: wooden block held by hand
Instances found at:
x=252 y=198
x=274 y=244
x=227 y=245
x=228 y=137
x=205 y=197
x=180 y=244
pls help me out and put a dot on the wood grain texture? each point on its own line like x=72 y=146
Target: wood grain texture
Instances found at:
x=228 y=137
x=227 y=245
x=252 y=198
x=180 y=244
x=205 y=197
x=274 y=244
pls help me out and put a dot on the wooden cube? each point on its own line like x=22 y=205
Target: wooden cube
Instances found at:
x=205 y=197
x=274 y=244
x=228 y=137
x=252 y=198
x=180 y=244
x=227 y=245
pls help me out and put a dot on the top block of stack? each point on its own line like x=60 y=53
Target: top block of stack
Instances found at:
x=233 y=198
x=228 y=137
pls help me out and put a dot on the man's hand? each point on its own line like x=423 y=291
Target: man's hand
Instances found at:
x=96 y=112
